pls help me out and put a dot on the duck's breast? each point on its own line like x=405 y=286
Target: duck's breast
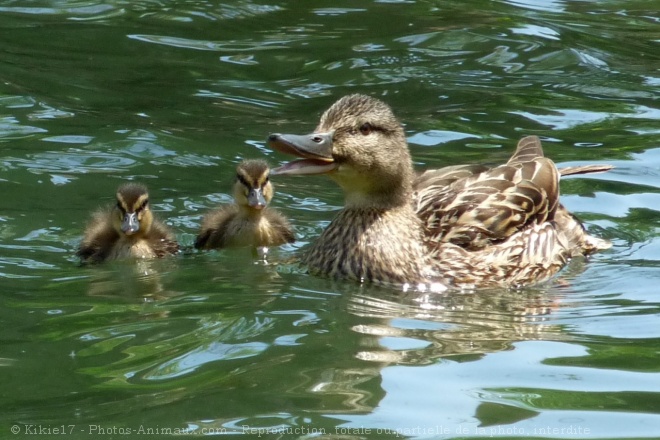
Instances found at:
x=125 y=249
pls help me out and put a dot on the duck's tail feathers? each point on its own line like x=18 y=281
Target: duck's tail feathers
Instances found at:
x=593 y=244
x=584 y=169
x=529 y=148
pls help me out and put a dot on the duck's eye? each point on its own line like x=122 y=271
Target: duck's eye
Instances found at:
x=366 y=129
x=120 y=207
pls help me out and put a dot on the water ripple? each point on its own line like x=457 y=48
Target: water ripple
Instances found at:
x=562 y=119
x=10 y=128
x=73 y=161
x=24 y=263
x=216 y=46
x=215 y=351
x=85 y=10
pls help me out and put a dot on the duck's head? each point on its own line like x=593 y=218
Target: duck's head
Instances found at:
x=361 y=145
x=252 y=188
x=132 y=216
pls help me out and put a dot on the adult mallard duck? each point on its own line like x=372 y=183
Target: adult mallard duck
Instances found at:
x=249 y=221
x=465 y=226
x=126 y=230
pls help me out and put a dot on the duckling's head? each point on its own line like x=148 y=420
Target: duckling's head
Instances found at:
x=252 y=189
x=361 y=145
x=132 y=216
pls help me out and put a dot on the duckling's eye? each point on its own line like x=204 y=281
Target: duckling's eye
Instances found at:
x=120 y=207
x=366 y=129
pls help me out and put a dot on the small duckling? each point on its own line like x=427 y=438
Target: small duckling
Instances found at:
x=127 y=230
x=248 y=222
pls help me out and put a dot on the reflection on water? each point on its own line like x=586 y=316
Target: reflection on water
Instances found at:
x=175 y=94
x=454 y=325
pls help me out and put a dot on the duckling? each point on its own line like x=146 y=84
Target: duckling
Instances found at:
x=126 y=230
x=249 y=221
x=466 y=226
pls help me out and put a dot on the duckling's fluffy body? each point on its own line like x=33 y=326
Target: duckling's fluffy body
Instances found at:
x=469 y=226
x=230 y=226
x=126 y=230
x=249 y=221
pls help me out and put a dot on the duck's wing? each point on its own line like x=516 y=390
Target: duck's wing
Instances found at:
x=214 y=231
x=489 y=206
x=443 y=177
x=99 y=238
x=162 y=240
x=203 y=238
x=281 y=231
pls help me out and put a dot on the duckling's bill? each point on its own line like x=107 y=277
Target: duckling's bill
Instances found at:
x=130 y=223
x=315 y=149
x=256 y=199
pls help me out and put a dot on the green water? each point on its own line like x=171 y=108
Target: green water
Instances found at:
x=175 y=93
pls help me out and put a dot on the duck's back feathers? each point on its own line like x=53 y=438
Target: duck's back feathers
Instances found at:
x=530 y=256
x=476 y=207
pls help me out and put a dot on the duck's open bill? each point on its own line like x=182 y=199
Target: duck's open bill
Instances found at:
x=316 y=149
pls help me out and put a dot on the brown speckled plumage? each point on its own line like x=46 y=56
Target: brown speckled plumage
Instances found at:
x=363 y=244
x=247 y=222
x=107 y=237
x=468 y=226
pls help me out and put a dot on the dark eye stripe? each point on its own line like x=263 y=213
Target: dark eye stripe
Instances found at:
x=241 y=179
x=142 y=206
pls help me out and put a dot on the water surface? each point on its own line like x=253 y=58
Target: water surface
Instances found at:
x=174 y=94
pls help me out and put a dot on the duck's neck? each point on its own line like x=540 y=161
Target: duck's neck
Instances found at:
x=384 y=199
x=384 y=189
x=363 y=201
x=249 y=213
x=372 y=243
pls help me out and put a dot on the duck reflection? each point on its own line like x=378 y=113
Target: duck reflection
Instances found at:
x=140 y=280
x=421 y=328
